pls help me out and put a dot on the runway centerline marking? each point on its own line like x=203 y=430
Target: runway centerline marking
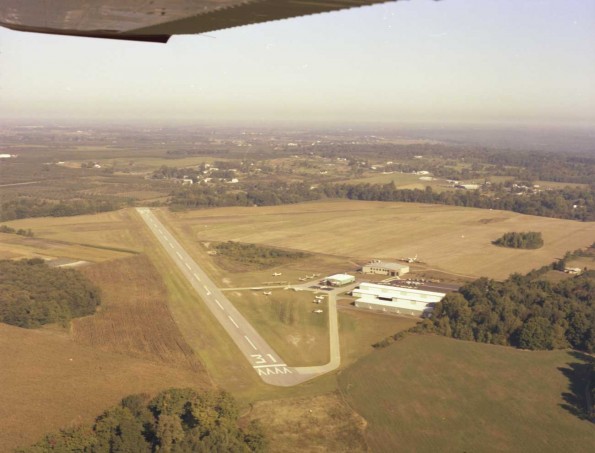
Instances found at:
x=250 y=341
x=180 y=255
x=233 y=322
x=220 y=306
x=187 y=265
x=197 y=277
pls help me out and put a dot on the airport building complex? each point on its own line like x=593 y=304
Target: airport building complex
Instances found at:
x=385 y=268
x=396 y=299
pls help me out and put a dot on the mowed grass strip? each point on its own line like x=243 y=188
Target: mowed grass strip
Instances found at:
x=450 y=238
x=49 y=382
x=285 y=319
x=134 y=317
x=430 y=393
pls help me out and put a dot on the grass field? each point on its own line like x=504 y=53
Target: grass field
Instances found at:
x=286 y=322
x=452 y=239
x=429 y=393
x=50 y=382
x=133 y=318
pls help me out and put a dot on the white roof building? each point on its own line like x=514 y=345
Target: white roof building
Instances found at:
x=340 y=279
x=396 y=299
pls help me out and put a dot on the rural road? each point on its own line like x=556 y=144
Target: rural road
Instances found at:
x=266 y=362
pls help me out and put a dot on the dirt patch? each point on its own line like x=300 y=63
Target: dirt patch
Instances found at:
x=322 y=423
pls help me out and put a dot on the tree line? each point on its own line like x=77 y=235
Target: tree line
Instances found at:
x=521 y=311
x=567 y=203
x=26 y=207
x=175 y=421
x=33 y=294
x=528 y=240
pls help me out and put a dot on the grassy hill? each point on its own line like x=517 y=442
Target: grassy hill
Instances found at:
x=429 y=393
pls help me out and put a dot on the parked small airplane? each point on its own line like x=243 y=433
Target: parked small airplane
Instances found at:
x=301 y=279
x=267 y=293
x=317 y=311
x=276 y=274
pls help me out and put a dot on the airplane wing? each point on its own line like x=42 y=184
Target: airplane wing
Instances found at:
x=155 y=20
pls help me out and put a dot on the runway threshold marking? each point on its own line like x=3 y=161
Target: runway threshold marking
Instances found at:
x=269 y=366
x=233 y=322
x=250 y=341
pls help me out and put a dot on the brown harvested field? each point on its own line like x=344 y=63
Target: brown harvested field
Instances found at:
x=448 y=238
x=13 y=246
x=316 y=424
x=48 y=381
x=134 y=318
x=115 y=230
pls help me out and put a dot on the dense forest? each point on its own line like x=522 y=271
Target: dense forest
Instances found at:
x=32 y=294
x=257 y=255
x=528 y=240
x=522 y=311
x=25 y=207
x=175 y=421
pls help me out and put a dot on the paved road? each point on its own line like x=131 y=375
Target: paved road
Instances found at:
x=266 y=362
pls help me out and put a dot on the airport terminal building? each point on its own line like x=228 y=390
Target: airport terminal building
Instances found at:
x=385 y=268
x=396 y=299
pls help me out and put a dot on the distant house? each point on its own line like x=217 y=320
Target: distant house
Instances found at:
x=573 y=270
x=187 y=181
x=467 y=186
x=385 y=268
x=395 y=299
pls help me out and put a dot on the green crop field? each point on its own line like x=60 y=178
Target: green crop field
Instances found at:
x=429 y=393
x=447 y=238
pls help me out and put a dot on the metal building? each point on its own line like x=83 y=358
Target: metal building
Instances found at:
x=396 y=299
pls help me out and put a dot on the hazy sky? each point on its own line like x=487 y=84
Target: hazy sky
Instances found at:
x=529 y=61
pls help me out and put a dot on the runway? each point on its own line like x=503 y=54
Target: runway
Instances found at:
x=264 y=360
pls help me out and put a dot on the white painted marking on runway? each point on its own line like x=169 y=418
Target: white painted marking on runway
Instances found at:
x=269 y=366
x=250 y=341
x=187 y=265
x=197 y=277
x=272 y=358
x=233 y=322
x=171 y=245
x=219 y=303
x=179 y=255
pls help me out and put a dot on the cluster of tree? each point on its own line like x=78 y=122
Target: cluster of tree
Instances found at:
x=254 y=194
x=528 y=240
x=32 y=293
x=175 y=421
x=165 y=172
x=522 y=311
x=567 y=203
x=6 y=229
x=25 y=207
x=256 y=254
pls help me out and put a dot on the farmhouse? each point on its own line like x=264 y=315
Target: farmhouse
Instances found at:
x=340 y=279
x=396 y=299
x=385 y=268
